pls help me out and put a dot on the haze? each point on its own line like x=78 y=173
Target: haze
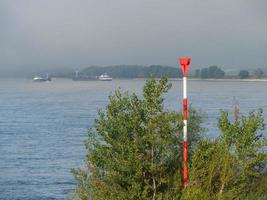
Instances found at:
x=58 y=34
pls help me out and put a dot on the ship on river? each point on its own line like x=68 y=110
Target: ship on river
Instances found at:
x=104 y=77
x=42 y=79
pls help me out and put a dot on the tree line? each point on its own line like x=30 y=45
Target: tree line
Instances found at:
x=217 y=73
x=135 y=152
x=133 y=71
x=157 y=71
x=209 y=72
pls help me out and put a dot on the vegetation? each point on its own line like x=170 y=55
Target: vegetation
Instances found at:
x=157 y=71
x=243 y=74
x=133 y=71
x=210 y=72
x=234 y=165
x=259 y=73
x=135 y=152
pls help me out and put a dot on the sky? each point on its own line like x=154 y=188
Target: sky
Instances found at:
x=58 y=34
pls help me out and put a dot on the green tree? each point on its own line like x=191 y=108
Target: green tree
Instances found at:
x=197 y=73
x=215 y=72
x=204 y=73
x=212 y=72
x=234 y=165
x=132 y=71
x=258 y=73
x=135 y=151
x=243 y=74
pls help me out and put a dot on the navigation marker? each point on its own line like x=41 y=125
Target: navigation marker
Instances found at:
x=185 y=62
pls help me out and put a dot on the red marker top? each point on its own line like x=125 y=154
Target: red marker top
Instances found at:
x=185 y=62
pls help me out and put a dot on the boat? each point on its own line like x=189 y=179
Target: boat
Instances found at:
x=41 y=79
x=104 y=77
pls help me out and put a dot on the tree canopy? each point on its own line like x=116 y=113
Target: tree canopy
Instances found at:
x=243 y=74
x=210 y=72
x=259 y=73
x=133 y=71
x=135 y=152
x=234 y=165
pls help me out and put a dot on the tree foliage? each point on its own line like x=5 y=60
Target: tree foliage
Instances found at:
x=243 y=74
x=210 y=72
x=197 y=73
x=133 y=71
x=259 y=73
x=234 y=165
x=135 y=151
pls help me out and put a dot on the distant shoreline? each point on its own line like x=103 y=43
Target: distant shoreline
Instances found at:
x=234 y=80
x=189 y=78
x=171 y=79
x=208 y=79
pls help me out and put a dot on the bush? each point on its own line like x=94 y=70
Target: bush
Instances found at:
x=234 y=165
x=135 y=151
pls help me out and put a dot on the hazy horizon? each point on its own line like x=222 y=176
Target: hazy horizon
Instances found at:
x=40 y=35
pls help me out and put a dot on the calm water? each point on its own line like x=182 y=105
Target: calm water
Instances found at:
x=43 y=126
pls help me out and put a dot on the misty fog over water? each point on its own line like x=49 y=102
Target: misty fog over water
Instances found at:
x=41 y=35
x=43 y=125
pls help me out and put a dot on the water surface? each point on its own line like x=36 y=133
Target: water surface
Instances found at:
x=43 y=126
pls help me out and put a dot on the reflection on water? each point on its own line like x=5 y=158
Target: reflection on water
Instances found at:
x=43 y=125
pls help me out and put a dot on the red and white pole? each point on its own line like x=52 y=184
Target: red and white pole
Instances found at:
x=185 y=62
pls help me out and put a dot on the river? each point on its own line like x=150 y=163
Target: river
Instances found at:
x=43 y=125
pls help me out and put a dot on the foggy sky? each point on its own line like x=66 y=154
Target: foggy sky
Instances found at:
x=42 y=34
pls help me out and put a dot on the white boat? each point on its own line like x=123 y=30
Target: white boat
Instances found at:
x=41 y=79
x=104 y=77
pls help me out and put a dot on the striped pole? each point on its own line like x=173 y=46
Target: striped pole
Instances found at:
x=185 y=62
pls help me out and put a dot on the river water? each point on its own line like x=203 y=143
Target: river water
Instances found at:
x=43 y=126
